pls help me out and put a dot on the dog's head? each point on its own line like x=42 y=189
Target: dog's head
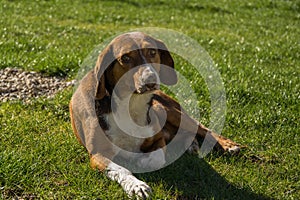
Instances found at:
x=144 y=61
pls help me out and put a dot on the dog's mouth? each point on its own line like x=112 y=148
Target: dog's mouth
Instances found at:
x=147 y=88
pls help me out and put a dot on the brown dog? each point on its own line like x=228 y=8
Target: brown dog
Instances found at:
x=118 y=109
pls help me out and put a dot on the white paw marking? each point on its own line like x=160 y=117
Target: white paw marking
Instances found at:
x=131 y=185
x=234 y=149
x=135 y=187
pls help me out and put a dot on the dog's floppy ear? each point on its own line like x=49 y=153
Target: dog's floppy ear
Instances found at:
x=167 y=73
x=105 y=59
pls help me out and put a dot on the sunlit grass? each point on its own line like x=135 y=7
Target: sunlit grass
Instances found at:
x=255 y=46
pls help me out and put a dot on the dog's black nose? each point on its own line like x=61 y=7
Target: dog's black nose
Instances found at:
x=146 y=79
x=149 y=76
x=150 y=86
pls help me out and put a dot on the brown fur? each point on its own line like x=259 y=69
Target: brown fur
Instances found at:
x=92 y=99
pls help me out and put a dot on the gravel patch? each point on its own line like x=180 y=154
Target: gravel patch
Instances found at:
x=17 y=84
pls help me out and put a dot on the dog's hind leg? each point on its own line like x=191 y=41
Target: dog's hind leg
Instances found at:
x=178 y=118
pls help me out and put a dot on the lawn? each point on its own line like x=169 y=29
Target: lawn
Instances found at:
x=256 y=48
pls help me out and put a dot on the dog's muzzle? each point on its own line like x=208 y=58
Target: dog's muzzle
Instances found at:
x=147 y=79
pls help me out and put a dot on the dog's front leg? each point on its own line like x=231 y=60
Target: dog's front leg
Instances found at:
x=131 y=185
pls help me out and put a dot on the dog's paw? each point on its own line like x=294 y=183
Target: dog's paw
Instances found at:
x=136 y=188
x=154 y=160
x=234 y=149
x=228 y=145
x=194 y=148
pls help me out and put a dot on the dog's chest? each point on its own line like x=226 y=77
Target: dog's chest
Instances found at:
x=127 y=125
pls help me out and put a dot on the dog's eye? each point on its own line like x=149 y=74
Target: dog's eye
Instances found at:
x=152 y=52
x=125 y=59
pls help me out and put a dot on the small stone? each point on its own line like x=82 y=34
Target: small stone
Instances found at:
x=19 y=84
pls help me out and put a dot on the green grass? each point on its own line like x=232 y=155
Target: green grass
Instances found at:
x=255 y=45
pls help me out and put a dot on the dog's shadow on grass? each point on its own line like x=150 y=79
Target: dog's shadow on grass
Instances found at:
x=193 y=178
